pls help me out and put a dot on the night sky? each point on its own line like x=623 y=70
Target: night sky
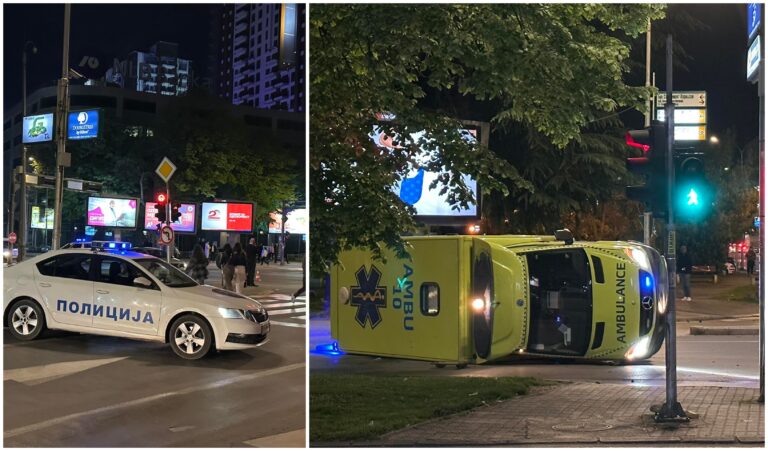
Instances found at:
x=107 y=31
x=110 y=31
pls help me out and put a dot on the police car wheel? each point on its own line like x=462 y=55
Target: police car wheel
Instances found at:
x=26 y=320
x=190 y=337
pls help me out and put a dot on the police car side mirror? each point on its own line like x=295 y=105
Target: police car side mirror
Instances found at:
x=142 y=282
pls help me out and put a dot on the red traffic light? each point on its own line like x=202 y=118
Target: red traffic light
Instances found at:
x=161 y=198
x=641 y=134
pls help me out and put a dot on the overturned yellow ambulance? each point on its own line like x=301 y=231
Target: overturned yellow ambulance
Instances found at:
x=474 y=299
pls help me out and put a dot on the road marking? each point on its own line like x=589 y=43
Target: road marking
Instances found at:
x=713 y=373
x=35 y=375
x=287 y=311
x=137 y=402
x=293 y=439
x=280 y=323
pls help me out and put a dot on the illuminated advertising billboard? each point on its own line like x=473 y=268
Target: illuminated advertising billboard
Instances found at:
x=185 y=224
x=41 y=222
x=37 y=129
x=414 y=189
x=111 y=212
x=229 y=217
x=297 y=223
x=83 y=125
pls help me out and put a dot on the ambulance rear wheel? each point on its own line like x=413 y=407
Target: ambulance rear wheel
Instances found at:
x=440 y=365
x=461 y=366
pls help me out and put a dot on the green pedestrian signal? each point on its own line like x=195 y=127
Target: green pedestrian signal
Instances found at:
x=693 y=195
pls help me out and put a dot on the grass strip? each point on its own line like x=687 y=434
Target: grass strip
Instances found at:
x=349 y=407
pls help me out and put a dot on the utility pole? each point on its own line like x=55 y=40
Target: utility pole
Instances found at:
x=671 y=410
x=63 y=159
x=23 y=221
x=648 y=216
x=763 y=199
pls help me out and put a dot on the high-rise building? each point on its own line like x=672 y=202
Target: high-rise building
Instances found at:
x=158 y=71
x=259 y=55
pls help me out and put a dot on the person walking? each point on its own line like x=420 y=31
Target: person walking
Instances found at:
x=251 y=254
x=303 y=280
x=227 y=270
x=238 y=262
x=751 y=257
x=264 y=255
x=684 y=269
x=198 y=265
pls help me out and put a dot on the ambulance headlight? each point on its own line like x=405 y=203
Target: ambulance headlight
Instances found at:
x=639 y=257
x=661 y=303
x=231 y=313
x=639 y=350
x=478 y=304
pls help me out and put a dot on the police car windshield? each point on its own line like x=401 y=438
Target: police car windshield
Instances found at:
x=561 y=302
x=166 y=273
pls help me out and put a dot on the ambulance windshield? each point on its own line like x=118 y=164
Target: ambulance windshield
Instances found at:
x=561 y=302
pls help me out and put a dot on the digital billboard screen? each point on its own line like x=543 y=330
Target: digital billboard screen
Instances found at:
x=37 y=129
x=224 y=216
x=414 y=189
x=111 y=212
x=185 y=224
x=38 y=221
x=297 y=222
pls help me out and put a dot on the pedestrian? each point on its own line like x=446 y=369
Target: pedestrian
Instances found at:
x=198 y=265
x=303 y=280
x=264 y=255
x=237 y=261
x=227 y=270
x=251 y=254
x=207 y=251
x=684 y=269
x=751 y=257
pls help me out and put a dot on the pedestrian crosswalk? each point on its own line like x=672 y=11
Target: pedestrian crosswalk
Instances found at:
x=283 y=311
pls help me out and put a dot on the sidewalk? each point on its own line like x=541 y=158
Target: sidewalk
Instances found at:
x=589 y=413
x=275 y=279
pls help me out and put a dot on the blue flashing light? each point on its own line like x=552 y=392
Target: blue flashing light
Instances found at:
x=648 y=282
x=112 y=245
x=331 y=349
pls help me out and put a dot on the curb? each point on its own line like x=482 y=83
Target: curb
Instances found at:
x=731 y=330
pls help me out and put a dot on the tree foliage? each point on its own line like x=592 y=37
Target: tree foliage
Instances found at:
x=552 y=68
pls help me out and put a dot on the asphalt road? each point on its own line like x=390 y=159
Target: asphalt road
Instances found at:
x=72 y=390
x=730 y=360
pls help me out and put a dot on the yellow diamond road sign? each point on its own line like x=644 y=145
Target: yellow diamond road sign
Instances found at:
x=165 y=169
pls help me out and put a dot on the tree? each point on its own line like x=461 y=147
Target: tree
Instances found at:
x=552 y=68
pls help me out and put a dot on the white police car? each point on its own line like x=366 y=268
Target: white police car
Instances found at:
x=127 y=294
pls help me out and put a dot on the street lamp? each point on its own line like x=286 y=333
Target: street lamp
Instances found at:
x=23 y=206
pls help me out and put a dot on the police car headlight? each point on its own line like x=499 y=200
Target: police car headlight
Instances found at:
x=231 y=313
x=639 y=257
x=638 y=350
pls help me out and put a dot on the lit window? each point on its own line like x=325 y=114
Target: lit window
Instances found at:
x=430 y=299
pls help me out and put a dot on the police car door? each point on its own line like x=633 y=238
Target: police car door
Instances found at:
x=66 y=288
x=118 y=303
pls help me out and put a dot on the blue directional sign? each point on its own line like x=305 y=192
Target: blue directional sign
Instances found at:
x=83 y=125
x=37 y=128
x=754 y=12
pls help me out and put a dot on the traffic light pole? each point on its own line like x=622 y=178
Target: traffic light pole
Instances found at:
x=62 y=111
x=671 y=410
x=761 y=258
x=169 y=247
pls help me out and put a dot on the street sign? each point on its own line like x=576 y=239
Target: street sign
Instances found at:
x=165 y=169
x=684 y=99
x=83 y=125
x=690 y=132
x=166 y=235
x=690 y=116
x=753 y=59
x=754 y=13
x=12 y=237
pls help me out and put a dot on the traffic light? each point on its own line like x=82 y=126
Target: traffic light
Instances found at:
x=175 y=213
x=652 y=166
x=161 y=202
x=692 y=195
